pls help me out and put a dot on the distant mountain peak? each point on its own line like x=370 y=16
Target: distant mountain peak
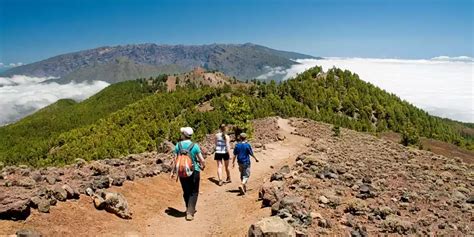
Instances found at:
x=243 y=61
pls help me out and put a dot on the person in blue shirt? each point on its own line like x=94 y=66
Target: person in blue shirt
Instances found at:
x=190 y=185
x=242 y=153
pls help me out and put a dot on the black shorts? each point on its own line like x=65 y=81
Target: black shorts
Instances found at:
x=220 y=156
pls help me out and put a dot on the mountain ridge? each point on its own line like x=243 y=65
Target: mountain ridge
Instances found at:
x=243 y=61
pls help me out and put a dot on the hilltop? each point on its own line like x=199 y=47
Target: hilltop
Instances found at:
x=118 y=63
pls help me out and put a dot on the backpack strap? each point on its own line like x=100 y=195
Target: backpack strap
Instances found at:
x=180 y=148
x=190 y=147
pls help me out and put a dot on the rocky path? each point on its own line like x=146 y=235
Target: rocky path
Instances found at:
x=156 y=203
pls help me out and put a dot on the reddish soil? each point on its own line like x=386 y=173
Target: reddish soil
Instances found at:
x=156 y=202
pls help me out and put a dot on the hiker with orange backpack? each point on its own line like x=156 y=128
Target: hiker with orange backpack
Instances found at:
x=188 y=163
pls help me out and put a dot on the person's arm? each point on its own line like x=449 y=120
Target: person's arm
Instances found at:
x=201 y=160
x=234 y=157
x=173 y=161
x=173 y=164
x=199 y=156
x=251 y=153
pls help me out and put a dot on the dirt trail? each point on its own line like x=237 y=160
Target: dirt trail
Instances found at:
x=157 y=203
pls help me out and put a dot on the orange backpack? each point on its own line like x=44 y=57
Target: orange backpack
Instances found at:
x=184 y=161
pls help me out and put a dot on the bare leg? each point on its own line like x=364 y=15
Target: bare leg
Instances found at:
x=227 y=170
x=219 y=170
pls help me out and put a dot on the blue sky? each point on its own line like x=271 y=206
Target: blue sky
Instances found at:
x=32 y=30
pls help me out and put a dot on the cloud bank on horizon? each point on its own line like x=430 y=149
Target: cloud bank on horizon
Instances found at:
x=23 y=95
x=442 y=86
x=9 y=65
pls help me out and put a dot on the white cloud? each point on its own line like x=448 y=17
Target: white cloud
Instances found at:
x=442 y=86
x=10 y=64
x=272 y=72
x=22 y=95
x=454 y=59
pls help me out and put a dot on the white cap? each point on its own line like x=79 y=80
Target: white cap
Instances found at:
x=187 y=131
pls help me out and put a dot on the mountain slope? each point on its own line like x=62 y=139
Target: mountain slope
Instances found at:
x=29 y=139
x=30 y=136
x=244 y=61
x=336 y=96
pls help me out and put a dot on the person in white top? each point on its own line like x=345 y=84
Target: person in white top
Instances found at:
x=222 y=153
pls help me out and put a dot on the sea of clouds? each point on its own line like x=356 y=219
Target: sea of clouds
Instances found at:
x=442 y=86
x=23 y=95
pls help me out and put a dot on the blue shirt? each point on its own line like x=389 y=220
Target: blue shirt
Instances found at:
x=194 y=152
x=243 y=150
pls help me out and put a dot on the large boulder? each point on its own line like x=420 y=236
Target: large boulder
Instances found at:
x=100 y=182
x=99 y=169
x=271 y=192
x=71 y=193
x=14 y=209
x=294 y=208
x=60 y=193
x=271 y=227
x=112 y=202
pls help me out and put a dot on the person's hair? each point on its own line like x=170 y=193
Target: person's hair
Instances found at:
x=223 y=128
x=184 y=136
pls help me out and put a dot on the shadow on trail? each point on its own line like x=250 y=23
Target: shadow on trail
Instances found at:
x=171 y=211
x=237 y=191
x=214 y=180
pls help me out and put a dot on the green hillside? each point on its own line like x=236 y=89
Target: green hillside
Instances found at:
x=29 y=138
x=338 y=97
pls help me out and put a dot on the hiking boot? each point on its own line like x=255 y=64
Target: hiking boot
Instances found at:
x=228 y=180
x=189 y=217
x=221 y=182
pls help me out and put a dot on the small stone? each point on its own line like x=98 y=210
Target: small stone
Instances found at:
x=27 y=182
x=51 y=180
x=130 y=174
x=71 y=193
x=118 y=181
x=80 y=162
x=34 y=201
x=331 y=175
x=89 y=191
x=99 y=202
x=59 y=193
x=324 y=223
x=36 y=176
x=366 y=180
x=470 y=200
x=43 y=206
x=100 y=182
x=281 y=137
x=405 y=198
x=323 y=200
x=27 y=233
x=316 y=215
